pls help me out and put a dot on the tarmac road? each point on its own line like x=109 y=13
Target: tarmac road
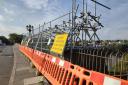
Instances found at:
x=6 y=64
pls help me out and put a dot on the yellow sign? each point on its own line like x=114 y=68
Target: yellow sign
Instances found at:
x=59 y=43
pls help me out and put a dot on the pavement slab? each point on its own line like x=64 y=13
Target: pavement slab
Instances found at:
x=15 y=69
x=18 y=73
x=21 y=70
x=6 y=64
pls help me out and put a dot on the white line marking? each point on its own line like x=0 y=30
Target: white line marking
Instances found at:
x=11 y=81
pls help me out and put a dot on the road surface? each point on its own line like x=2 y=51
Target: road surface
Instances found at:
x=6 y=64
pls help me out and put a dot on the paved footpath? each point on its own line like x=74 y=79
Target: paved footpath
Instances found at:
x=6 y=64
x=21 y=72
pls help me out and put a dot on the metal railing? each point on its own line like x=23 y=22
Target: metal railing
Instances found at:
x=101 y=59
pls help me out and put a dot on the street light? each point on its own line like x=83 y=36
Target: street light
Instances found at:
x=29 y=29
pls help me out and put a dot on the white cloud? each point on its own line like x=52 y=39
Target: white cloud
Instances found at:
x=36 y=4
x=1 y=18
x=46 y=10
x=52 y=11
x=115 y=22
x=6 y=30
x=7 y=11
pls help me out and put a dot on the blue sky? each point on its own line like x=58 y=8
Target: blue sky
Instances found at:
x=16 y=14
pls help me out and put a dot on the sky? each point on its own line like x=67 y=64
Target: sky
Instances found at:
x=16 y=14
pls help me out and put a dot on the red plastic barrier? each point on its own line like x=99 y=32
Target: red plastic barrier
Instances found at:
x=61 y=72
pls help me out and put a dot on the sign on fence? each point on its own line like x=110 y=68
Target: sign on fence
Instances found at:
x=59 y=43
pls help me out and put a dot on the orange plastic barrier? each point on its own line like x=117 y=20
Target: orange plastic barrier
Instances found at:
x=61 y=72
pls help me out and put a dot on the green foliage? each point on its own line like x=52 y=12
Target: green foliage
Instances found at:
x=15 y=38
x=121 y=65
x=5 y=40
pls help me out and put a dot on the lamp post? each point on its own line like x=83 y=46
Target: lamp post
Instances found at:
x=30 y=29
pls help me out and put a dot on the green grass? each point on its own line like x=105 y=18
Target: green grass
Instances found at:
x=121 y=65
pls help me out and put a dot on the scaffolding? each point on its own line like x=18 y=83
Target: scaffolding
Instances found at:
x=83 y=45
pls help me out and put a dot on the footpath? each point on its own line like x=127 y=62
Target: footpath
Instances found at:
x=22 y=73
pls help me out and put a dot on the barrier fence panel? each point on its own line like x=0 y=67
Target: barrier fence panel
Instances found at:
x=61 y=72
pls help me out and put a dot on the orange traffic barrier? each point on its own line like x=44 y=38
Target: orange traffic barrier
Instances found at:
x=61 y=72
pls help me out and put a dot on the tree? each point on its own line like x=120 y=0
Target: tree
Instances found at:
x=15 y=38
x=5 y=40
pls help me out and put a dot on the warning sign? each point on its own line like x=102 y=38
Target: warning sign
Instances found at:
x=59 y=43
